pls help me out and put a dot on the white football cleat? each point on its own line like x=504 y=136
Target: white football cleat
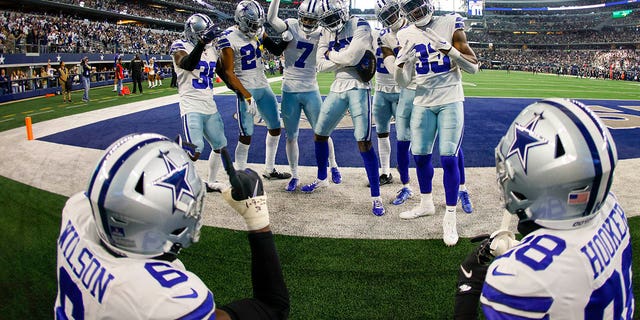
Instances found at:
x=449 y=229
x=419 y=211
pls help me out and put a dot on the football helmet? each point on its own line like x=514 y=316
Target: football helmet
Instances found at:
x=196 y=26
x=418 y=12
x=146 y=197
x=555 y=164
x=250 y=17
x=335 y=14
x=309 y=14
x=388 y=13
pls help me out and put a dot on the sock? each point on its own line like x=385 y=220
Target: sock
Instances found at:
x=450 y=209
x=373 y=174
x=214 y=162
x=426 y=198
x=384 y=150
x=450 y=179
x=293 y=154
x=461 y=166
x=115 y=87
x=424 y=169
x=462 y=188
x=271 y=144
x=160 y=81
x=322 y=153
x=242 y=153
x=403 y=160
x=332 y=154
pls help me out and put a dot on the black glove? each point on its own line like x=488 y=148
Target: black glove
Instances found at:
x=471 y=275
x=210 y=34
x=244 y=184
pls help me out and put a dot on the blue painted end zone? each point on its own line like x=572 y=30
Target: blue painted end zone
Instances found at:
x=486 y=120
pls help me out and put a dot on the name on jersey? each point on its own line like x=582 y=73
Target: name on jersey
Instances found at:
x=605 y=243
x=85 y=266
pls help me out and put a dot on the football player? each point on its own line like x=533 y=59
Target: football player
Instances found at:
x=343 y=47
x=243 y=71
x=194 y=59
x=117 y=253
x=440 y=47
x=555 y=167
x=300 y=91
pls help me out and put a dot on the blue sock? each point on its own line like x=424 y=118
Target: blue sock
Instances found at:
x=450 y=179
x=322 y=158
x=461 y=166
x=424 y=169
x=403 y=160
x=373 y=173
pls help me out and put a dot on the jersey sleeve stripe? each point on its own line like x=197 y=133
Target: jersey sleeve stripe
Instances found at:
x=530 y=304
x=205 y=309
x=223 y=43
x=491 y=313
x=362 y=23
x=459 y=25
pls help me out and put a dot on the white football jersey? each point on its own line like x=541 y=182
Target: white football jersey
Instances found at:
x=247 y=57
x=438 y=78
x=93 y=284
x=195 y=88
x=384 y=79
x=584 y=273
x=300 y=60
x=352 y=41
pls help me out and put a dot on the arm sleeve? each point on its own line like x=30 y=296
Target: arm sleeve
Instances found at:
x=353 y=54
x=272 y=17
x=191 y=60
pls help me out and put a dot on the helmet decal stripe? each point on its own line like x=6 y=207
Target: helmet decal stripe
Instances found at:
x=595 y=155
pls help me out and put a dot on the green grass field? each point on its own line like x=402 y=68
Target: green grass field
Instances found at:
x=327 y=278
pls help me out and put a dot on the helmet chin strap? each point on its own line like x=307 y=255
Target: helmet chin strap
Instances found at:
x=424 y=21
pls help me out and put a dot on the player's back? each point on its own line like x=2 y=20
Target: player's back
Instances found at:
x=300 y=60
x=584 y=273
x=247 y=60
x=195 y=87
x=94 y=284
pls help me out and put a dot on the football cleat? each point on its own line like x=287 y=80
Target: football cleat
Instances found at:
x=378 y=209
x=293 y=185
x=336 y=177
x=314 y=186
x=404 y=194
x=465 y=202
x=449 y=230
x=419 y=211
x=386 y=179
x=216 y=186
x=275 y=175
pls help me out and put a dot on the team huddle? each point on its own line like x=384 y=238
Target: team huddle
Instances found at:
x=117 y=251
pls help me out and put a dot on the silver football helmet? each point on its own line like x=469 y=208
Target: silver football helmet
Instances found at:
x=335 y=14
x=250 y=17
x=555 y=164
x=388 y=13
x=146 y=197
x=196 y=26
x=418 y=12
x=309 y=14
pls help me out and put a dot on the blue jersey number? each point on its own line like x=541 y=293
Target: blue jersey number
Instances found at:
x=380 y=62
x=616 y=289
x=165 y=274
x=249 y=57
x=442 y=64
x=70 y=292
x=206 y=75
x=307 y=48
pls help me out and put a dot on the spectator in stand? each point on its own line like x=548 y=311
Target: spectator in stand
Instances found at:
x=65 y=82
x=135 y=66
x=85 y=74
x=119 y=75
x=4 y=82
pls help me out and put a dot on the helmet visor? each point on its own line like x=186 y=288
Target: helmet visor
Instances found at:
x=307 y=22
x=415 y=10
x=332 y=20
x=389 y=15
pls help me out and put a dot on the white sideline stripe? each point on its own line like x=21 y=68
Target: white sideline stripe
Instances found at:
x=5 y=120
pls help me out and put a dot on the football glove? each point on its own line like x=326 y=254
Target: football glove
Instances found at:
x=438 y=42
x=366 y=68
x=210 y=34
x=246 y=195
x=473 y=268
x=501 y=242
x=287 y=36
x=252 y=106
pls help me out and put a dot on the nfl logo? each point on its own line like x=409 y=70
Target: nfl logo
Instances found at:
x=579 y=197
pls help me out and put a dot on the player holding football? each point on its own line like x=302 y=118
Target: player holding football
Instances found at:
x=119 y=240
x=194 y=60
x=555 y=167
x=440 y=46
x=243 y=71
x=300 y=91
x=342 y=47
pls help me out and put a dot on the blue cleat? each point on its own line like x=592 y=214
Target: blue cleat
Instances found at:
x=378 y=209
x=315 y=186
x=336 y=177
x=404 y=194
x=463 y=196
x=293 y=185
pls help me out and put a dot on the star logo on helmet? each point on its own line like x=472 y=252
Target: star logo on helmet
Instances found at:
x=175 y=179
x=524 y=139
